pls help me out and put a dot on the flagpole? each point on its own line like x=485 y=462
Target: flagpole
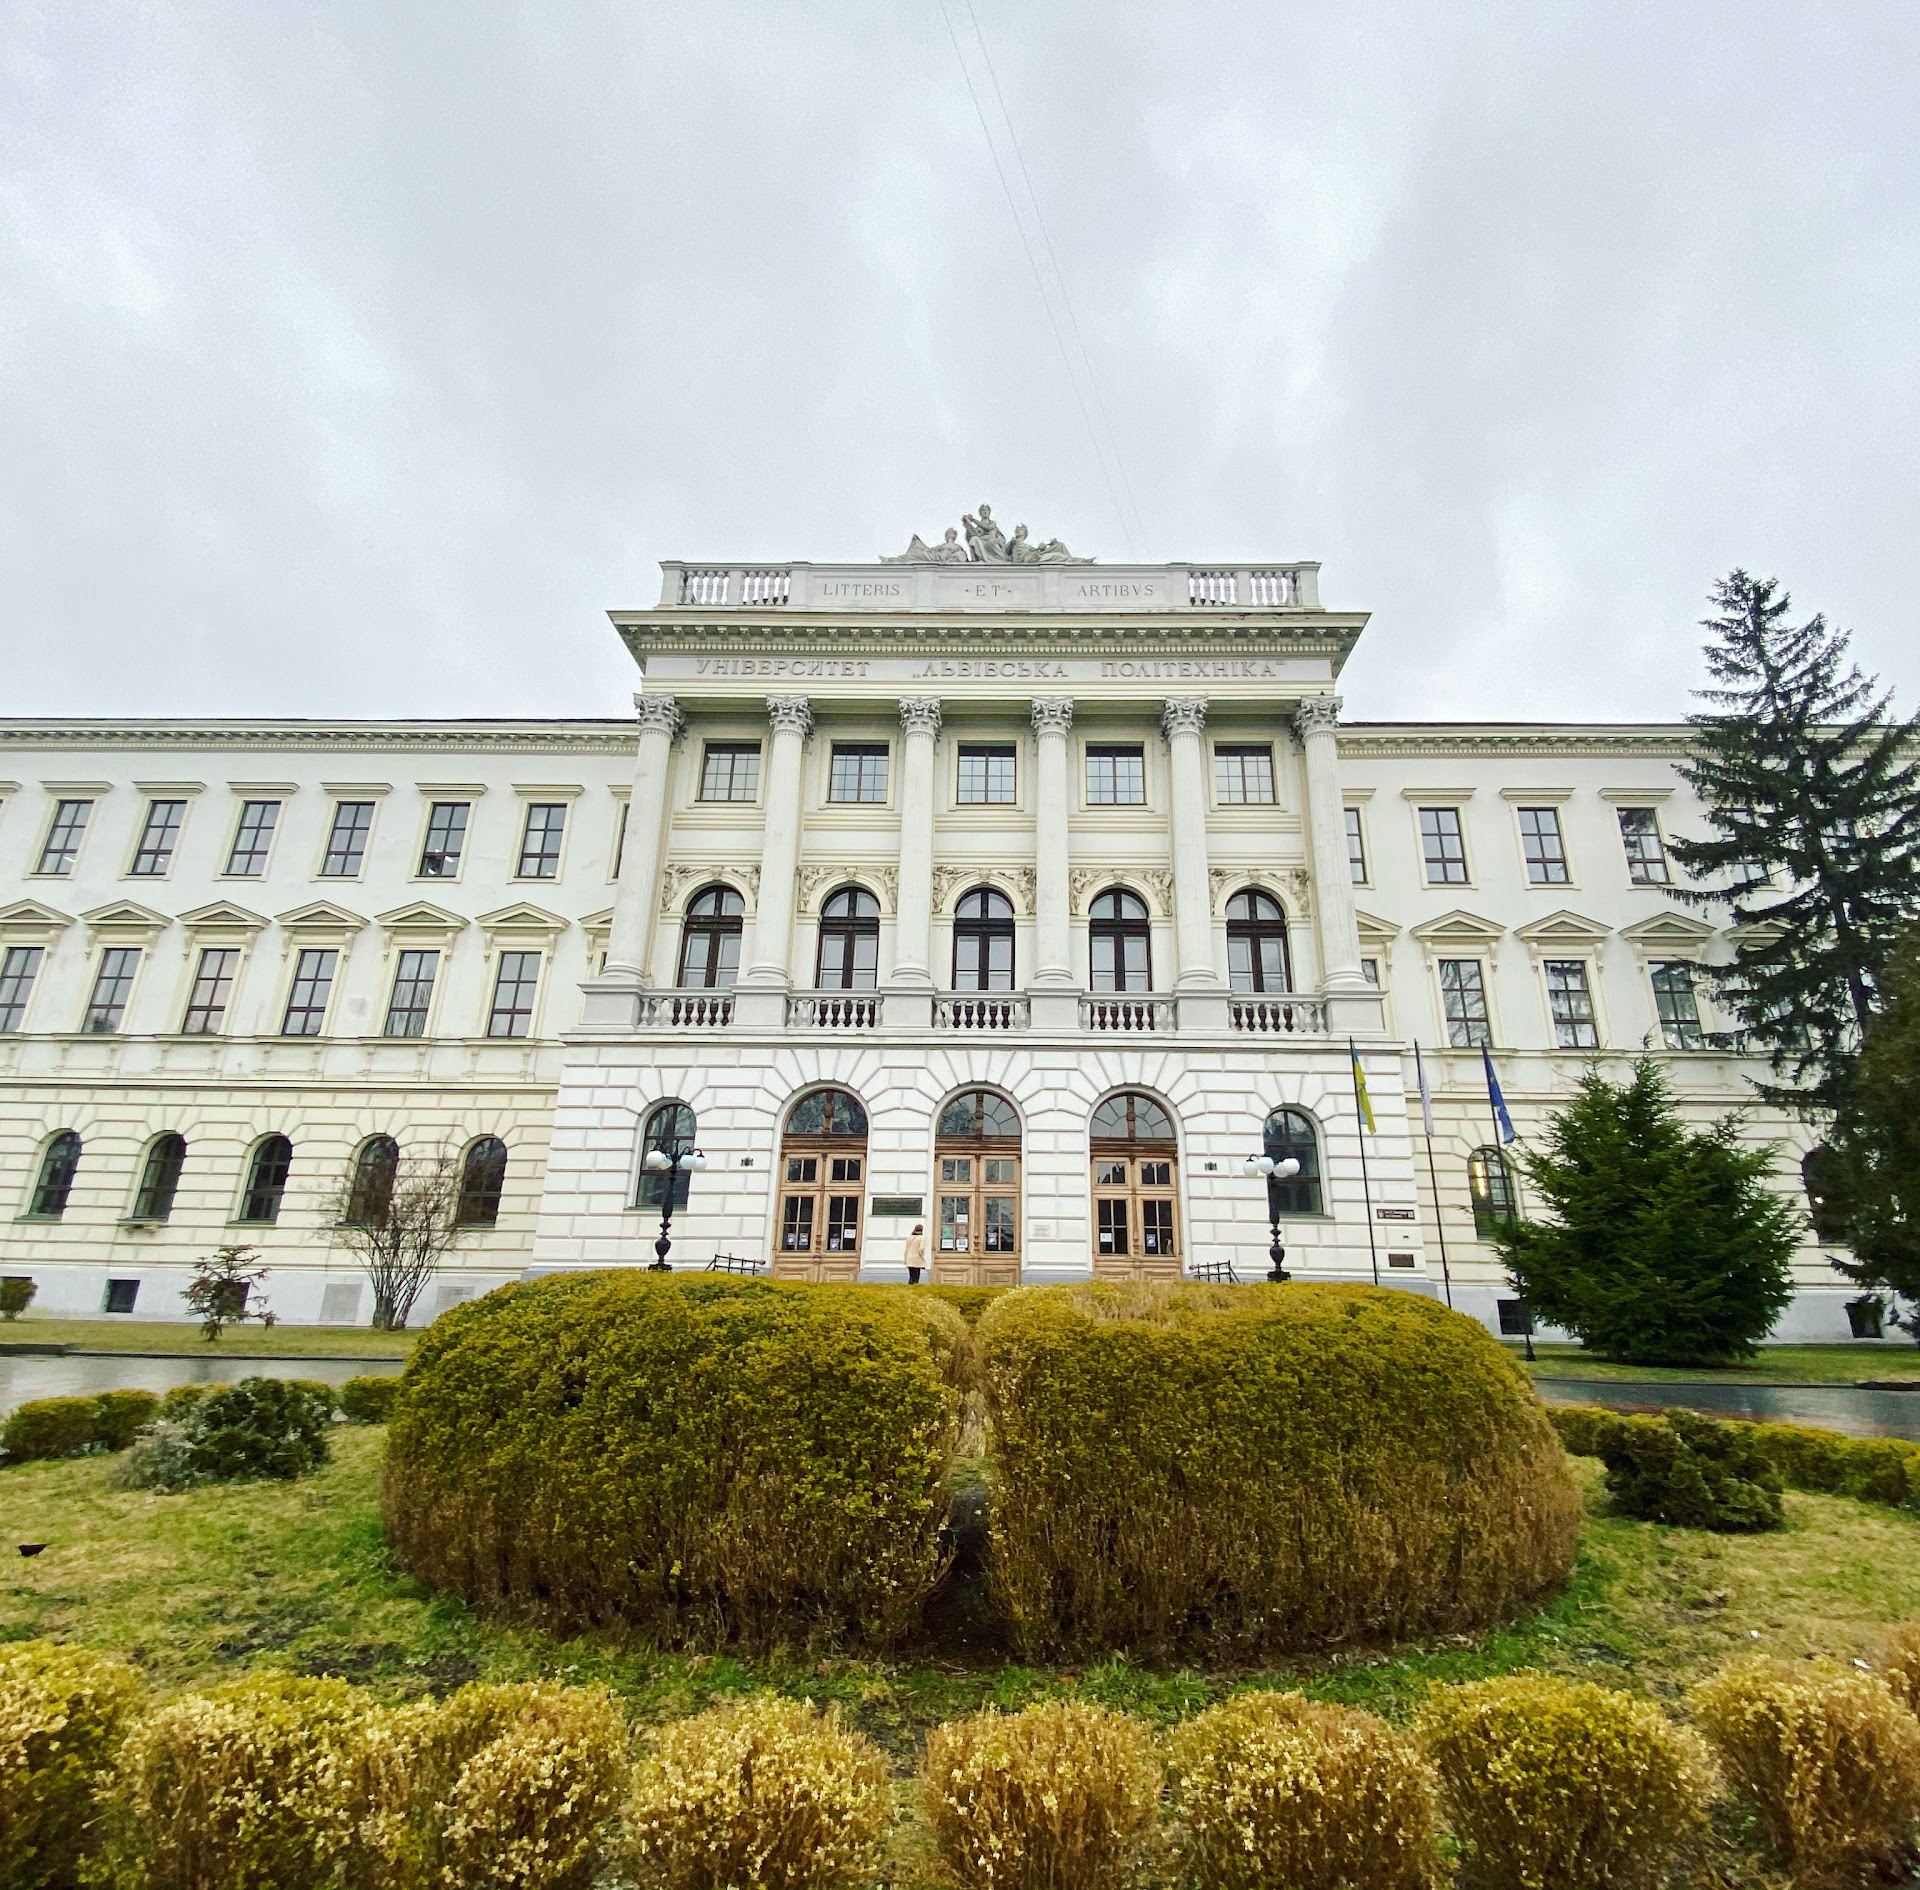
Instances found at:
x=1360 y=1113
x=1506 y=1175
x=1439 y=1219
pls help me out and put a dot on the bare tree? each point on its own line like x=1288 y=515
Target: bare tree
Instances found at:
x=225 y=1289
x=400 y=1216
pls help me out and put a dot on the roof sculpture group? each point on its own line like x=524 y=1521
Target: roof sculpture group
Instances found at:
x=986 y=544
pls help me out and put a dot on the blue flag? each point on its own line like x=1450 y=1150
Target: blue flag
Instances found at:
x=1494 y=1097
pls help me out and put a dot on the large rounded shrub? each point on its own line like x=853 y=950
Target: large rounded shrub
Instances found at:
x=1239 y=1471
x=707 y=1459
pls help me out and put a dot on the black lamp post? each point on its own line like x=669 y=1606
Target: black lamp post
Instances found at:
x=673 y=1161
x=1269 y=1170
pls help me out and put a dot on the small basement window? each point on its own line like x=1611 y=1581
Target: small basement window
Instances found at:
x=1515 y=1322
x=121 y=1294
x=1864 y=1318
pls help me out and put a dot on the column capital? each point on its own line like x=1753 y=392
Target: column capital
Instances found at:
x=1052 y=715
x=920 y=715
x=791 y=713
x=658 y=712
x=1317 y=715
x=1183 y=715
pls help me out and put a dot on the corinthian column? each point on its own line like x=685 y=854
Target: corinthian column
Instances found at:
x=638 y=891
x=792 y=721
x=1315 y=722
x=913 y=913
x=1052 y=722
x=1182 y=721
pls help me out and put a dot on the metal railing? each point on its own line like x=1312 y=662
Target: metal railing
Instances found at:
x=980 y=1013
x=1126 y=1013
x=1279 y=1014
x=819 y=1010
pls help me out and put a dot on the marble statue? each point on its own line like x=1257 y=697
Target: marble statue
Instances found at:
x=986 y=544
x=985 y=539
x=1049 y=551
x=948 y=551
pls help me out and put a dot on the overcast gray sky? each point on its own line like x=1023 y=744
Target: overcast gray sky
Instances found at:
x=356 y=356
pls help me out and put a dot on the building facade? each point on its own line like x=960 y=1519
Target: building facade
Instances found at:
x=1018 y=898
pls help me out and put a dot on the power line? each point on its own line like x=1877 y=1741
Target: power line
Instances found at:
x=1033 y=263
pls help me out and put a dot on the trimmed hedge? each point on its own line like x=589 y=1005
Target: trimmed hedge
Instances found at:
x=259 y=1427
x=75 y=1427
x=968 y=1301
x=710 y=1459
x=369 y=1398
x=1687 y=1470
x=1245 y=1471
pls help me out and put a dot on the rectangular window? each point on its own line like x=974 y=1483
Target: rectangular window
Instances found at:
x=112 y=986
x=1243 y=776
x=986 y=775
x=312 y=986
x=253 y=839
x=620 y=839
x=1442 y=846
x=158 y=838
x=1116 y=777
x=1646 y=853
x=17 y=973
x=1463 y=996
x=858 y=772
x=540 y=840
x=1356 y=848
x=1545 y=851
x=730 y=771
x=121 y=1295
x=412 y=994
x=1677 y=1004
x=347 y=842
x=64 y=835
x=513 y=989
x=1571 y=1002
x=1370 y=970
x=212 y=988
x=446 y=835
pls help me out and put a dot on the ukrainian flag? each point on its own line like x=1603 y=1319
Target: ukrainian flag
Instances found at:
x=1360 y=1096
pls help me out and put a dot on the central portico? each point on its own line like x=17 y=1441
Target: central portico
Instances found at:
x=992 y=890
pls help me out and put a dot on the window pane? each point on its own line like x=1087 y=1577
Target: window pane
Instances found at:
x=160 y=1179
x=1112 y=1226
x=730 y=771
x=212 y=987
x=347 y=839
x=1356 y=847
x=1442 y=847
x=158 y=838
x=253 y=838
x=1646 y=853
x=483 y=1176
x=17 y=973
x=112 y=985
x=57 y=1170
x=1572 y=1005
x=986 y=776
x=513 y=992
x=858 y=772
x=540 y=843
x=1463 y=995
x=1678 y=1007
x=64 y=835
x=267 y=1180
x=1116 y=777
x=796 y=1224
x=307 y=1001
x=446 y=836
x=1540 y=841
x=412 y=994
x=1243 y=776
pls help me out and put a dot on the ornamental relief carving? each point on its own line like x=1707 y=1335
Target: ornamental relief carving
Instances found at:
x=1084 y=883
x=678 y=883
x=1290 y=884
x=1020 y=883
x=816 y=882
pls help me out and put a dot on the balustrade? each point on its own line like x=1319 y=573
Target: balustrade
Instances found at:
x=820 y=1010
x=685 y=1010
x=1127 y=1013
x=1279 y=1014
x=980 y=1013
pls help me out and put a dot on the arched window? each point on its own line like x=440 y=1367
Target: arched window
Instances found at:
x=983 y=941
x=670 y=1127
x=160 y=1178
x=828 y=1112
x=710 y=939
x=57 y=1168
x=1117 y=934
x=978 y=1113
x=1257 y=944
x=1826 y=1196
x=1289 y=1136
x=823 y=1165
x=375 y=1169
x=482 y=1176
x=976 y=1151
x=267 y=1179
x=1136 y=1226
x=849 y=941
x=1490 y=1186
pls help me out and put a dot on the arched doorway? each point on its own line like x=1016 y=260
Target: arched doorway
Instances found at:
x=1119 y=944
x=1257 y=944
x=710 y=940
x=1136 y=1202
x=976 y=1159
x=983 y=941
x=849 y=958
x=823 y=1182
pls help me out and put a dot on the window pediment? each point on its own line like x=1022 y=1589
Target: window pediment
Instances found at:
x=1563 y=932
x=1466 y=931
x=28 y=922
x=1669 y=934
x=223 y=916
x=124 y=919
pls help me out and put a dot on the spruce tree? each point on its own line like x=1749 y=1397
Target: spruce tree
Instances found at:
x=1666 y=1244
x=1813 y=795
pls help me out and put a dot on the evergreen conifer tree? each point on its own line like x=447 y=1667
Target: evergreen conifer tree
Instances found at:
x=1813 y=795
x=1666 y=1246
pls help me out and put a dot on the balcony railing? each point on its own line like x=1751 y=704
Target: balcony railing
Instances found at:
x=1279 y=1014
x=686 y=1010
x=817 y=1010
x=815 y=587
x=1132 y=1014
x=1275 y=587
x=980 y=1013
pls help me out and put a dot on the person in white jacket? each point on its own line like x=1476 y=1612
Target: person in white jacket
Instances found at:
x=916 y=1253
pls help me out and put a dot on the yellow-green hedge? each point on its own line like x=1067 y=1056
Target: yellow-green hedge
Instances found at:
x=705 y=1458
x=1242 y=1471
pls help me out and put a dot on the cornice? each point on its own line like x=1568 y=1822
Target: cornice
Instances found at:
x=587 y=735
x=1440 y=741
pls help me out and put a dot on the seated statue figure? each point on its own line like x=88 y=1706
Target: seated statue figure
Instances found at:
x=949 y=551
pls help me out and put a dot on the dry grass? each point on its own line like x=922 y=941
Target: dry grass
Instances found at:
x=169 y=1337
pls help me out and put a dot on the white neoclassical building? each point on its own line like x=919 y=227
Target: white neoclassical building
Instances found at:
x=1018 y=898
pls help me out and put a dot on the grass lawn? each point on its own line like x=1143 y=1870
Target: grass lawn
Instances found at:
x=1775 y=1365
x=154 y=1335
